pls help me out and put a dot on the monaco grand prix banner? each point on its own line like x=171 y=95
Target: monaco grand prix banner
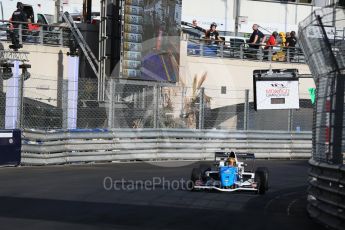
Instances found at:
x=277 y=94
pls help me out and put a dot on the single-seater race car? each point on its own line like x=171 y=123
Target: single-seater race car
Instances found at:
x=227 y=174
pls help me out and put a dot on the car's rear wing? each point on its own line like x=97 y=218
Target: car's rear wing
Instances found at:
x=221 y=156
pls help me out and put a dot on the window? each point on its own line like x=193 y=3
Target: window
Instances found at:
x=289 y=1
x=306 y=1
x=223 y=90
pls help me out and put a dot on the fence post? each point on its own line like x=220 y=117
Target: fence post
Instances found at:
x=64 y=104
x=20 y=33
x=201 y=49
x=290 y=120
x=61 y=37
x=241 y=52
x=156 y=106
x=182 y=103
x=246 y=110
x=111 y=103
x=143 y=98
x=20 y=102
x=270 y=53
x=260 y=54
x=288 y=54
x=221 y=50
x=41 y=35
x=201 y=107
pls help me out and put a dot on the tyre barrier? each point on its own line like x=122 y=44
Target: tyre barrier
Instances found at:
x=326 y=195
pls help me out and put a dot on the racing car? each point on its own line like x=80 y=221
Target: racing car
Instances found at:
x=227 y=174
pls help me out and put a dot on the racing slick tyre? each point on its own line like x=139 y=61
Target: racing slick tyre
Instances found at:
x=196 y=175
x=265 y=171
x=261 y=182
x=205 y=167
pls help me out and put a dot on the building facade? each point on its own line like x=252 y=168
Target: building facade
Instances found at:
x=240 y=15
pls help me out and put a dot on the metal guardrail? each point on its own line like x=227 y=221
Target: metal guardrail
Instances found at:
x=63 y=147
x=327 y=194
x=35 y=33
x=225 y=49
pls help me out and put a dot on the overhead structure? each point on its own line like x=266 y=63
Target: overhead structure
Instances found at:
x=87 y=10
x=91 y=58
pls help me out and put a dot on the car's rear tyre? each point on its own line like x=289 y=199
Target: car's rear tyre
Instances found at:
x=260 y=182
x=266 y=173
x=205 y=167
x=196 y=175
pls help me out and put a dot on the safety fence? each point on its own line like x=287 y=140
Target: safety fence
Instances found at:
x=80 y=146
x=35 y=33
x=324 y=49
x=140 y=105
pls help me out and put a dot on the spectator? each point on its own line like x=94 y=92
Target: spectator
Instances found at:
x=33 y=30
x=270 y=45
x=19 y=16
x=283 y=39
x=256 y=38
x=272 y=40
x=292 y=40
x=195 y=23
x=212 y=34
x=291 y=44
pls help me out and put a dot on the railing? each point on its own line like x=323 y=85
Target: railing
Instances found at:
x=35 y=33
x=206 y=48
x=63 y=147
x=327 y=194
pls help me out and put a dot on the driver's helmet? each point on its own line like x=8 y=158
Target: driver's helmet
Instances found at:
x=231 y=161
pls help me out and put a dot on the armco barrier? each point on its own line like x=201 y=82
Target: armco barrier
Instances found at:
x=10 y=147
x=327 y=194
x=63 y=147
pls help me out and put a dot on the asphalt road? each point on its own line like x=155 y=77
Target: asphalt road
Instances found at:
x=89 y=197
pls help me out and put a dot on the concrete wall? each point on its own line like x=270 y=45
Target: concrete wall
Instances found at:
x=48 y=69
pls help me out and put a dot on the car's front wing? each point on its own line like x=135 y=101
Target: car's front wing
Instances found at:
x=225 y=189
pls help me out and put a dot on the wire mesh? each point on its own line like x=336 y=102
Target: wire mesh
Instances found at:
x=322 y=40
x=149 y=105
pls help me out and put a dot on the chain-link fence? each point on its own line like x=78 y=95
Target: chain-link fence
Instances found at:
x=131 y=104
x=322 y=38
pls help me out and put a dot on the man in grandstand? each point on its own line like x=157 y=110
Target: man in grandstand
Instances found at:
x=212 y=34
x=256 y=38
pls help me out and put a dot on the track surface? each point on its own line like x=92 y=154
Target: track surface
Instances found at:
x=74 y=197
